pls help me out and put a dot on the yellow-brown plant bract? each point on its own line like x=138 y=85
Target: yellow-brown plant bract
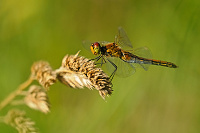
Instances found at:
x=77 y=71
x=18 y=120
x=43 y=72
x=37 y=98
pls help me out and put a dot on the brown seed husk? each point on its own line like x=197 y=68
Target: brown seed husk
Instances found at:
x=77 y=71
x=43 y=73
x=37 y=99
x=19 y=121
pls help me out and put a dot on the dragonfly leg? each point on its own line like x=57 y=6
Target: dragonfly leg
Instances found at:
x=113 y=73
x=103 y=61
x=96 y=59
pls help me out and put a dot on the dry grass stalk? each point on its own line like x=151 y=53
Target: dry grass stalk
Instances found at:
x=77 y=71
x=43 y=72
x=37 y=99
x=18 y=120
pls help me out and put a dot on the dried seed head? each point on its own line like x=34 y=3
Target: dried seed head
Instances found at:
x=19 y=121
x=37 y=99
x=74 y=79
x=77 y=71
x=100 y=80
x=42 y=72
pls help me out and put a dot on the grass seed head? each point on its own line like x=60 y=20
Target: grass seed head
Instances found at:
x=19 y=121
x=43 y=72
x=37 y=99
x=77 y=72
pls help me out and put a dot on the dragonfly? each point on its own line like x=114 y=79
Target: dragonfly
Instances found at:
x=120 y=54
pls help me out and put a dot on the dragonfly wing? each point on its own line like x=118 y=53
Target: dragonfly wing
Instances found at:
x=124 y=69
x=87 y=44
x=122 y=39
x=145 y=53
x=103 y=43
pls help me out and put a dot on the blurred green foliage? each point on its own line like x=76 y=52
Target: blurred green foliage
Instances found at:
x=160 y=100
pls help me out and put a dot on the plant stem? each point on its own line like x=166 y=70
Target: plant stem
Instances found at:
x=12 y=95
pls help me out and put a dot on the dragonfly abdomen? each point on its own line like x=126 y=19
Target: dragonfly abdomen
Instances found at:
x=141 y=60
x=163 y=63
x=131 y=58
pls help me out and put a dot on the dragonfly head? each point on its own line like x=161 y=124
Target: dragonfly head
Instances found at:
x=95 y=48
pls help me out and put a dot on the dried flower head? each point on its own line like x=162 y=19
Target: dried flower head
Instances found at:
x=77 y=71
x=18 y=120
x=43 y=72
x=37 y=99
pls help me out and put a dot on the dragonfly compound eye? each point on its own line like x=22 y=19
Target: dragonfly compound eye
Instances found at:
x=95 y=48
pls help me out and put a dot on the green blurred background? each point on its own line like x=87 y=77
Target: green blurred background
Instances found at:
x=160 y=100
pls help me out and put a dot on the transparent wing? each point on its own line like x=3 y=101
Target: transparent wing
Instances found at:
x=124 y=69
x=124 y=42
x=87 y=44
x=122 y=39
x=145 y=53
